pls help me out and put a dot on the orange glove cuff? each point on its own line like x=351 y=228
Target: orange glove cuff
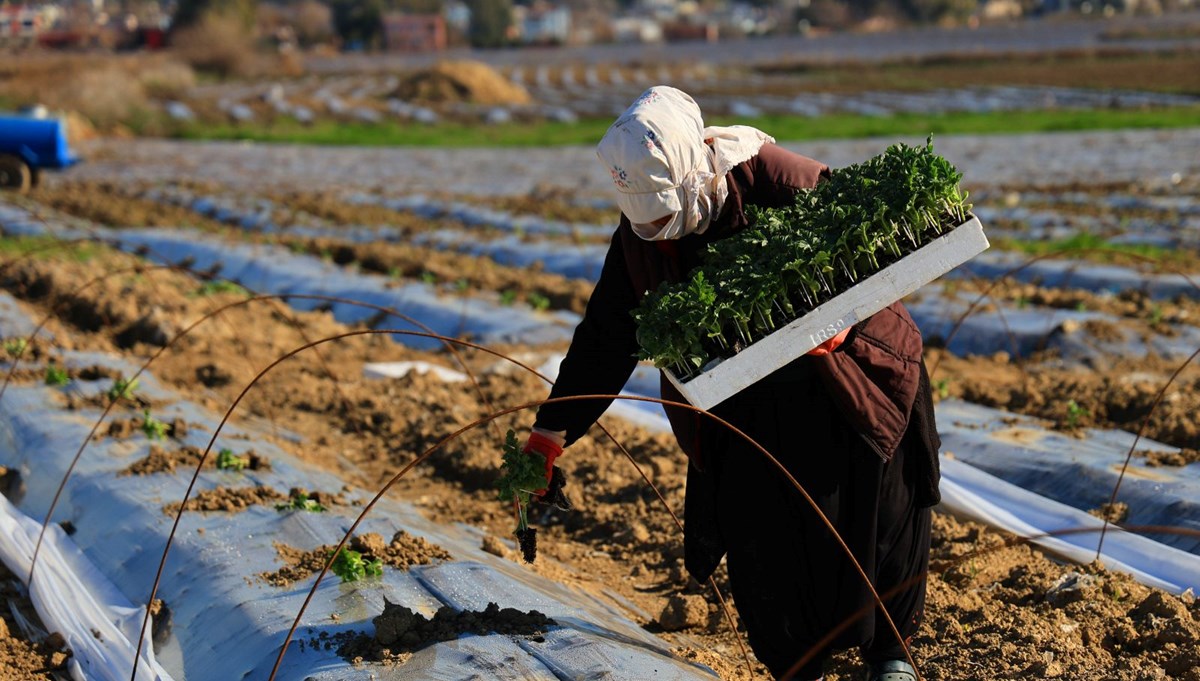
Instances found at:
x=831 y=344
x=546 y=447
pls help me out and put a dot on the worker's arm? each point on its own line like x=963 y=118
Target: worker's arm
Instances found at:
x=602 y=355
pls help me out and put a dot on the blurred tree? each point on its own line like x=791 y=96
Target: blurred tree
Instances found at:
x=313 y=22
x=190 y=12
x=490 y=22
x=359 y=22
x=938 y=10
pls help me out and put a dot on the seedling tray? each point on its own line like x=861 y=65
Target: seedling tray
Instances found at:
x=723 y=378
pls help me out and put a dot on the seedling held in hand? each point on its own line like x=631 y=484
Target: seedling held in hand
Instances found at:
x=521 y=475
x=351 y=566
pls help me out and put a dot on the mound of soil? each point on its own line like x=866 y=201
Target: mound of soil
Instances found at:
x=160 y=460
x=403 y=552
x=454 y=82
x=399 y=630
x=234 y=499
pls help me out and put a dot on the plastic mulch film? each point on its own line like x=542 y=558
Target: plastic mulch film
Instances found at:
x=227 y=622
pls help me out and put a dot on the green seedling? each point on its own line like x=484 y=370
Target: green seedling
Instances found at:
x=122 y=389
x=462 y=285
x=351 y=566
x=537 y=301
x=301 y=503
x=508 y=297
x=297 y=247
x=1074 y=412
x=429 y=278
x=153 y=428
x=1157 y=314
x=228 y=461
x=56 y=375
x=943 y=388
x=15 y=347
x=521 y=475
x=394 y=272
x=1022 y=302
x=209 y=288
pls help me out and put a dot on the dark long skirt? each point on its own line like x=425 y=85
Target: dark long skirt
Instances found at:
x=794 y=587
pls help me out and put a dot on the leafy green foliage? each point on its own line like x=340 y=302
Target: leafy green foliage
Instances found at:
x=228 y=461
x=521 y=475
x=794 y=258
x=15 y=347
x=152 y=427
x=1075 y=411
x=209 y=288
x=351 y=566
x=56 y=375
x=122 y=389
x=537 y=301
x=301 y=502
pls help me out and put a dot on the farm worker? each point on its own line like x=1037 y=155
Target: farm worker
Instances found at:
x=852 y=421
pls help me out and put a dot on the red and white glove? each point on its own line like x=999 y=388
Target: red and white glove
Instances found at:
x=550 y=445
x=831 y=344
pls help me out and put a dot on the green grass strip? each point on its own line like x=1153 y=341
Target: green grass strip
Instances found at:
x=784 y=128
x=1097 y=249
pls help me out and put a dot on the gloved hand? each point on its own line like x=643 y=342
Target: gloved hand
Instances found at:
x=549 y=445
x=831 y=344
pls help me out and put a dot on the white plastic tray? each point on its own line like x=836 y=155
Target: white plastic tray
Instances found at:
x=727 y=377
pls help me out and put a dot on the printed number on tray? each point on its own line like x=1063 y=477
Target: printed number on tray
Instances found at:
x=828 y=332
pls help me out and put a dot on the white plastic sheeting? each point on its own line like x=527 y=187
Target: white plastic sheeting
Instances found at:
x=75 y=599
x=227 y=624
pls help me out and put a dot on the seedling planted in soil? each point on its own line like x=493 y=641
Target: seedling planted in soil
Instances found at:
x=228 y=461
x=153 y=428
x=301 y=502
x=15 y=347
x=56 y=375
x=1074 y=412
x=351 y=566
x=122 y=389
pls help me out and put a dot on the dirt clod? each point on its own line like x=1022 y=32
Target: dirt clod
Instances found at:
x=684 y=612
x=398 y=629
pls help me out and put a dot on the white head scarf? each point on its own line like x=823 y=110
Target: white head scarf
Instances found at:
x=661 y=165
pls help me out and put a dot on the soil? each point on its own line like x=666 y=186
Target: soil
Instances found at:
x=120 y=206
x=20 y=658
x=989 y=615
x=403 y=552
x=1119 y=395
x=399 y=630
x=235 y=499
x=161 y=460
x=454 y=82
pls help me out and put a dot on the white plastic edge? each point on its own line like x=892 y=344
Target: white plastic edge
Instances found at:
x=977 y=495
x=75 y=599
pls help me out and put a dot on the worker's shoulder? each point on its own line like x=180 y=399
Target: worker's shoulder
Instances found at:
x=780 y=166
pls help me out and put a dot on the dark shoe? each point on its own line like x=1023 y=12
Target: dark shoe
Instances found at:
x=892 y=670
